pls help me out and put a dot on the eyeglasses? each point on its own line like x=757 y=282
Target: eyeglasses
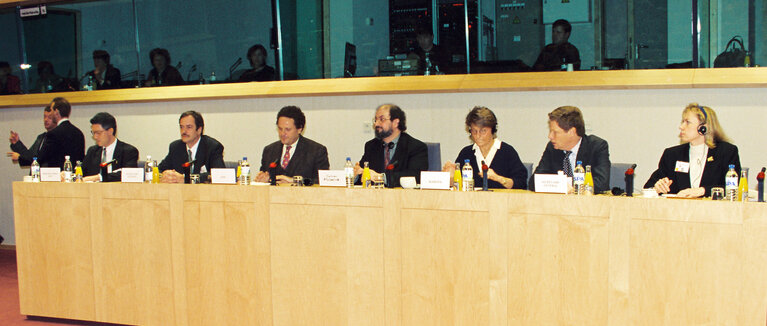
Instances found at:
x=382 y=119
x=98 y=132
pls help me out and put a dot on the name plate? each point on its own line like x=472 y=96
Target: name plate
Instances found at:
x=223 y=176
x=435 y=180
x=50 y=174
x=332 y=178
x=132 y=175
x=551 y=183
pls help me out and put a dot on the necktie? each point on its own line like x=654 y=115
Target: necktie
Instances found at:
x=386 y=155
x=103 y=154
x=189 y=157
x=286 y=158
x=566 y=167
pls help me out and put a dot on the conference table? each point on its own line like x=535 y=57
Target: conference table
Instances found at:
x=163 y=254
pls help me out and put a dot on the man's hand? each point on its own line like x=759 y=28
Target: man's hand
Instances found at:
x=171 y=176
x=692 y=192
x=14 y=156
x=282 y=179
x=14 y=137
x=357 y=169
x=262 y=176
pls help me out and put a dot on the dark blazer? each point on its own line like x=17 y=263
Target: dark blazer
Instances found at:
x=309 y=157
x=170 y=76
x=593 y=151
x=112 y=78
x=210 y=153
x=411 y=157
x=505 y=163
x=26 y=155
x=125 y=154
x=714 y=170
x=266 y=74
x=63 y=140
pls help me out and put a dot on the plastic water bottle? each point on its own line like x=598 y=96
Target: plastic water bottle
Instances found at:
x=67 y=169
x=89 y=86
x=244 y=172
x=349 y=172
x=588 y=181
x=148 y=169
x=467 y=176
x=79 y=172
x=212 y=77
x=579 y=179
x=34 y=169
x=457 y=177
x=731 y=184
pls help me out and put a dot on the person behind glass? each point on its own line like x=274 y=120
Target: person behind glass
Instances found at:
x=64 y=139
x=48 y=80
x=260 y=71
x=426 y=48
x=105 y=75
x=162 y=73
x=9 y=84
x=23 y=155
x=702 y=159
x=505 y=169
x=206 y=152
x=393 y=146
x=568 y=143
x=293 y=153
x=560 y=52
x=107 y=148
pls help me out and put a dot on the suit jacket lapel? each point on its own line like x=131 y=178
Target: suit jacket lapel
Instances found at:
x=200 y=155
x=298 y=156
x=400 y=154
x=583 y=152
x=709 y=167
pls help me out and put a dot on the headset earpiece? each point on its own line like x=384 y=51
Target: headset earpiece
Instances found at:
x=702 y=128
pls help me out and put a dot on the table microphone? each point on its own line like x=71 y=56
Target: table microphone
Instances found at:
x=484 y=176
x=388 y=173
x=630 y=180
x=760 y=186
x=273 y=173
x=104 y=167
x=187 y=173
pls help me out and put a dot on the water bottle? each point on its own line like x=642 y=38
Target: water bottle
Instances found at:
x=212 y=77
x=731 y=184
x=467 y=176
x=67 y=169
x=588 y=181
x=457 y=177
x=244 y=172
x=579 y=179
x=34 y=169
x=148 y=169
x=427 y=63
x=79 y=172
x=349 y=172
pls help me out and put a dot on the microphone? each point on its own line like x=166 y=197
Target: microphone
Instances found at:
x=629 y=176
x=191 y=70
x=760 y=186
x=273 y=173
x=105 y=167
x=234 y=66
x=187 y=171
x=484 y=176
x=179 y=65
x=388 y=173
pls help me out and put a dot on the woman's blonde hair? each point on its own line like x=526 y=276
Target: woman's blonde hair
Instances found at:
x=707 y=116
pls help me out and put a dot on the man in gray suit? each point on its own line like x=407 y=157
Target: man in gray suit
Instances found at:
x=293 y=154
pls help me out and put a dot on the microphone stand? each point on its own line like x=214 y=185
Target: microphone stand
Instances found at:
x=234 y=66
x=187 y=171
x=105 y=168
x=484 y=176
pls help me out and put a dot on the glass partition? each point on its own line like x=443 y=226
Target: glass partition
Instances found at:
x=93 y=45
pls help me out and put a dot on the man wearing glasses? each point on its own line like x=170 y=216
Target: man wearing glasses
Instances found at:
x=393 y=147
x=107 y=148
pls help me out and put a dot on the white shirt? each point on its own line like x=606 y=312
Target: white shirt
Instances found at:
x=698 y=155
x=490 y=154
x=110 y=155
x=292 y=151
x=573 y=156
x=61 y=120
x=194 y=148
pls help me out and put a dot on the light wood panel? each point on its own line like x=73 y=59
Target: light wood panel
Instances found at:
x=232 y=255
x=500 y=82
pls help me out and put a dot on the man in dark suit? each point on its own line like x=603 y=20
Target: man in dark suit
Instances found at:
x=104 y=75
x=23 y=155
x=206 y=152
x=293 y=153
x=65 y=139
x=107 y=148
x=568 y=143
x=393 y=147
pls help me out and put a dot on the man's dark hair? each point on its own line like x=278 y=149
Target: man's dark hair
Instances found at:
x=4 y=64
x=101 y=54
x=198 y=122
x=294 y=113
x=564 y=23
x=60 y=104
x=568 y=117
x=106 y=121
x=255 y=48
x=396 y=113
x=43 y=66
x=159 y=51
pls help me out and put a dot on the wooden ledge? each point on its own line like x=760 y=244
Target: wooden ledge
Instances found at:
x=503 y=82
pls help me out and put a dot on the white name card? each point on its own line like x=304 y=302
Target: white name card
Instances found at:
x=50 y=174
x=435 y=180
x=132 y=175
x=551 y=183
x=332 y=178
x=223 y=176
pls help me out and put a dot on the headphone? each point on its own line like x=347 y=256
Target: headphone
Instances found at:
x=702 y=128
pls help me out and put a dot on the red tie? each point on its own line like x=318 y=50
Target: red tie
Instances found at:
x=286 y=158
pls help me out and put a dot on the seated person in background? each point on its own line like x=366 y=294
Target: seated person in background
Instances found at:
x=393 y=146
x=105 y=75
x=107 y=148
x=260 y=71
x=48 y=81
x=505 y=168
x=293 y=153
x=560 y=52
x=568 y=143
x=20 y=153
x=700 y=162
x=64 y=139
x=207 y=152
x=162 y=73
x=426 y=48
x=9 y=84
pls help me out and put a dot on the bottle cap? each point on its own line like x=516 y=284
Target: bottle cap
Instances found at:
x=244 y=158
x=732 y=166
x=348 y=158
x=34 y=158
x=466 y=161
x=66 y=157
x=578 y=163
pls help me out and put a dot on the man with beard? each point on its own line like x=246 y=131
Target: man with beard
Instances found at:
x=23 y=155
x=392 y=146
x=203 y=150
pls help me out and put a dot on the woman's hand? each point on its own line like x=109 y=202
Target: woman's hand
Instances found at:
x=692 y=192
x=663 y=186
